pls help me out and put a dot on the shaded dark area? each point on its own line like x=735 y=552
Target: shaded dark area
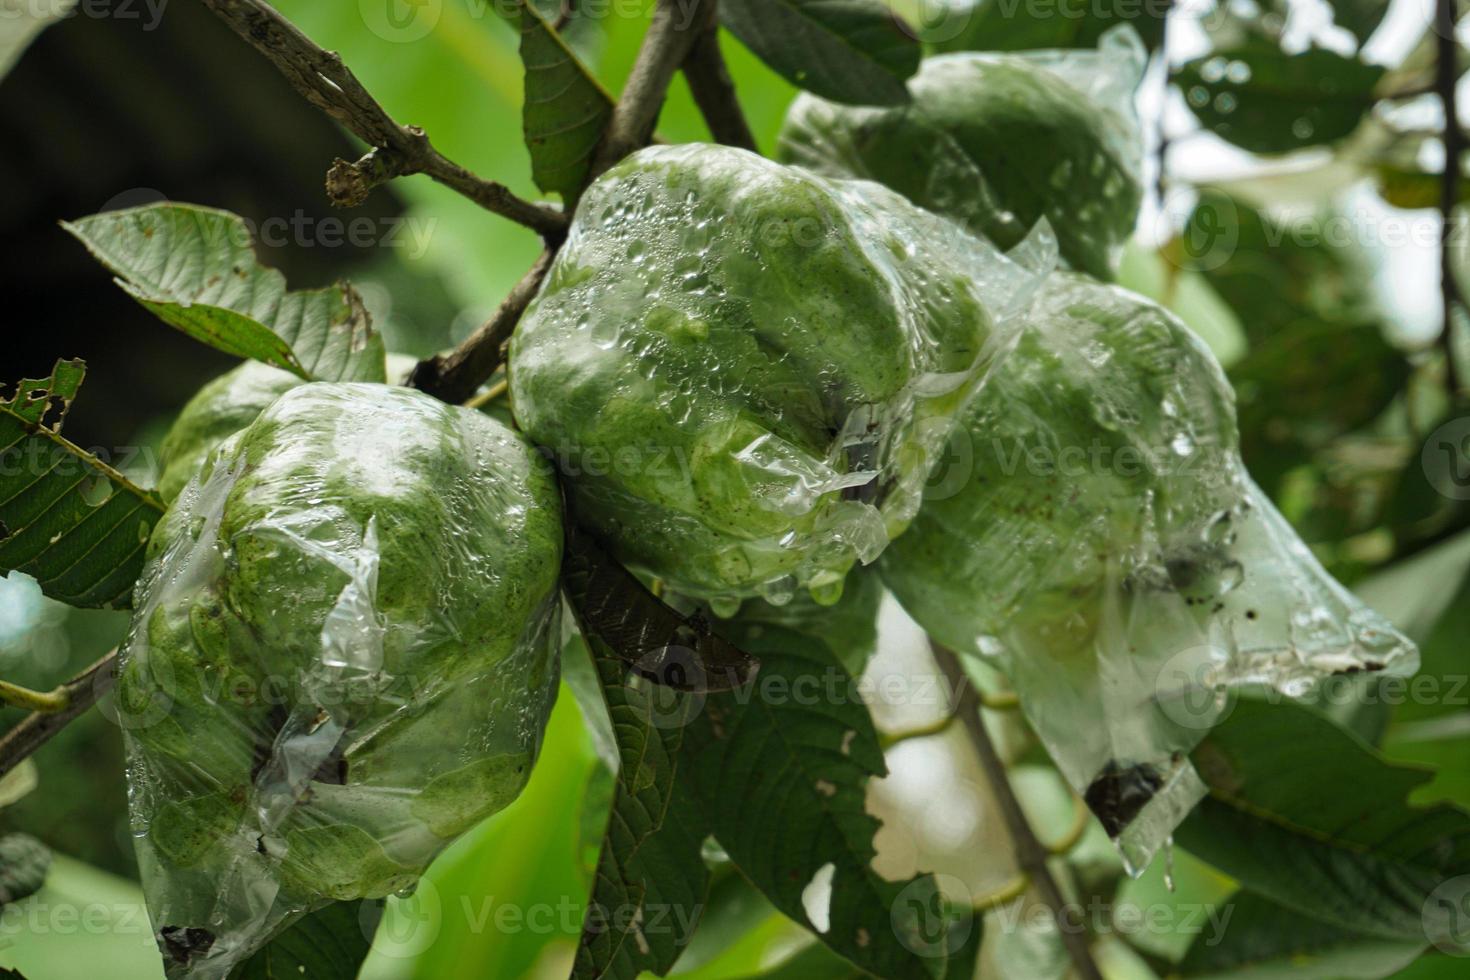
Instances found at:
x=102 y=113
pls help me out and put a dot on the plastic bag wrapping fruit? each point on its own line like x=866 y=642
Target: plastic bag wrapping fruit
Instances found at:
x=744 y=369
x=1093 y=527
x=342 y=657
x=999 y=141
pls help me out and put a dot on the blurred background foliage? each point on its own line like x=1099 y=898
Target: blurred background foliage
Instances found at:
x=1330 y=340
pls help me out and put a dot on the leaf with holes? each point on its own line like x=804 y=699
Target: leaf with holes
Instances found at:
x=194 y=268
x=328 y=944
x=651 y=881
x=854 y=51
x=1312 y=818
x=75 y=524
x=1267 y=101
x=566 y=109
x=780 y=772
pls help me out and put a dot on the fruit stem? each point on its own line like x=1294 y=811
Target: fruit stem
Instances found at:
x=48 y=702
x=37 y=728
x=1031 y=854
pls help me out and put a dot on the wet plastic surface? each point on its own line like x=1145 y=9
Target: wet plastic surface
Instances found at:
x=743 y=369
x=343 y=655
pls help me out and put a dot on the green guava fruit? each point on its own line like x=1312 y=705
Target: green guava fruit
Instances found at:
x=1092 y=527
x=996 y=142
x=223 y=407
x=739 y=367
x=342 y=654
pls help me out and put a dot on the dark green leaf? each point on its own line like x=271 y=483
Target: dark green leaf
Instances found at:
x=1267 y=101
x=780 y=771
x=75 y=524
x=651 y=881
x=853 y=51
x=329 y=944
x=566 y=109
x=1015 y=25
x=653 y=640
x=848 y=628
x=1310 y=817
x=1360 y=18
x=24 y=862
x=195 y=269
x=1265 y=941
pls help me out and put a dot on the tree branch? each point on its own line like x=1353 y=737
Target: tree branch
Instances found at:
x=453 y=377
x=327 y=83
x=676 y=25
x=36 y=729
x=1454 y=146
x=714 y=91
x=1031 y=854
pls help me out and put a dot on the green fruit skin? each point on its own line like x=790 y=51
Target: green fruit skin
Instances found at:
x=223 y=407
x=993 y=141
x=1068 y=466
x=450 y=662
x=710 y=303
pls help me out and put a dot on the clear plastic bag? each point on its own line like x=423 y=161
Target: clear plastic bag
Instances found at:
x=1095 y=530
x=1000 y=141
x=343 y=656
x=743 y=369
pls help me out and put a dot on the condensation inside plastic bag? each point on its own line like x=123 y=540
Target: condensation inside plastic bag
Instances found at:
x=342 y=657
x=743 y=369
x=1066 y=144
x=1094 y=528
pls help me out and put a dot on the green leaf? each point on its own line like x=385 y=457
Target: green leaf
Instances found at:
x=1267 y=101
x=328 y=944
x=1310 y=817
x=1014 y=25
x=651 y=881
x=815 y=962
x=1360 y=18
x=24 y=862
x=780 y=772
x=848 y=628
x=195 y=269
x=75 y=524
x=566 y=108
x=1268 y=942
x=853 y=51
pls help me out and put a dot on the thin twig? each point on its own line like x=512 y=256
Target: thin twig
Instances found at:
x=713 y=89
x=49 y=702
x=676 y=25
x=37 y=728
x=1449 y=191
x=1031 y=854
x=453 y=377
x=397 y=151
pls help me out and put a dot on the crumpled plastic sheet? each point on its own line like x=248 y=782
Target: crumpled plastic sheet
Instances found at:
x=1095 y=531
x=343 y=656
x=743 y=368
x=933 y=150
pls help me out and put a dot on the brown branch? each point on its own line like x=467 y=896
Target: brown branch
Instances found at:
x=327 y=83
x=1454 y=146
x=713 y=90
x=676 y=25
x=453 y=377
x=1031 y=854
x=36 y=729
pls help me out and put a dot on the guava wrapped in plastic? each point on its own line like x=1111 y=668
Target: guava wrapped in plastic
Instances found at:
x=1094 y=528
x=342 y=656
x=223 y=407
x=998 y=141
x=744 y=369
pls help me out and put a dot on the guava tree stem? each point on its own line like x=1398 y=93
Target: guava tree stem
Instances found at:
x=1446 y=75
x=397 y=150
x=79 y=694
x=676 y=25
x=49 y=702
x=713 y=89
x=1031 y=854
